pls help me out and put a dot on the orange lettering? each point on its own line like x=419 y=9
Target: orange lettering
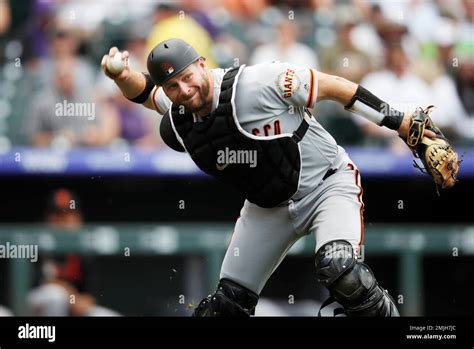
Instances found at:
x=267 y=128
x=277 y=128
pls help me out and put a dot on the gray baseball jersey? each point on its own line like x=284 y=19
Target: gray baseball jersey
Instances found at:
x=270 y=100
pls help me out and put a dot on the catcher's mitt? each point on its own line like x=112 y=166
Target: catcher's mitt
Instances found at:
x=438 y=158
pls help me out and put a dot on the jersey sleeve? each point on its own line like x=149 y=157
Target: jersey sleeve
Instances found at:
x=161 y=102
x=286 y=84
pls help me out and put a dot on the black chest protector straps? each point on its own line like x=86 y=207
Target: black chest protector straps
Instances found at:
x=266 y=170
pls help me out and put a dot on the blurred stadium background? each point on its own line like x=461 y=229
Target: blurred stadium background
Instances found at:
x=126 y=226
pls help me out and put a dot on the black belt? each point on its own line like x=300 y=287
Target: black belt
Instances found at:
x=330 y=172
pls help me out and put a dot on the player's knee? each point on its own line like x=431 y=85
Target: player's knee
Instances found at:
x=350 y=282
x=230 y=299
x=337 y=269
x=333 y=260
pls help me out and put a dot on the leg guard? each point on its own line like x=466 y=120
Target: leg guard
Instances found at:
x=352 y=283
x=230 y=299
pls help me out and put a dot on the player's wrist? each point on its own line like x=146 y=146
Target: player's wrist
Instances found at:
x=404 y=125
x=131 y=84
x=393 y=119
x=142 y=97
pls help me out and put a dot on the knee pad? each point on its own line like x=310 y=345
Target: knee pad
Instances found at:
x=352 y=283
x=230 y=299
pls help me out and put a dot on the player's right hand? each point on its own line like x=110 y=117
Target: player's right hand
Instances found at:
x=125 y=72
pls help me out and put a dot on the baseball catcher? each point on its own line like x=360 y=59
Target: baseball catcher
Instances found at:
x=302 y=181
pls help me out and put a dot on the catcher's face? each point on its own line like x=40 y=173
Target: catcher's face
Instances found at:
x=191 y=88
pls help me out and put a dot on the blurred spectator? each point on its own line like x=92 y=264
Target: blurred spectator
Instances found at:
x=51 y=299
x=420 y=16
x=445 y=60
x=61 y=280
x=391 y=33
x=245 y=8
x=449 y=78
x=430 y=66
x=240 y=30
x=63 y=210
x=450 y=113
x=4 y=311
x=63 y=46
x=343 y=58
x=199 y=11
x=400 y=88
x=137 y=126
x=86 y=305
x=348 y=36
x=324 y=31
x=170 y=23
x=364 y=35
x=60 y=118
x=63 y=213
x=464 y=74
x=445 y=37
x=60 y=299
x=467 y=23
x=5 y=18
x=42 y=15
x=285 y=47
x=464 y=81
x=84 y=17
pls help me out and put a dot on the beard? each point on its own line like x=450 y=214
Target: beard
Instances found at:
x=199 y=100
x=196 y=103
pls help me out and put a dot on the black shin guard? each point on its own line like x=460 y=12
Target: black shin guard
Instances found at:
x=352 y=283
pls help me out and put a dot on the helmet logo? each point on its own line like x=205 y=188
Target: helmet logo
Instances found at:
x=167 y=68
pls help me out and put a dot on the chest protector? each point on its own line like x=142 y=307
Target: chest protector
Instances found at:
x=272 y=178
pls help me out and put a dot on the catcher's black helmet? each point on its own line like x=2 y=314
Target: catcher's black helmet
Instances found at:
x=169 y=58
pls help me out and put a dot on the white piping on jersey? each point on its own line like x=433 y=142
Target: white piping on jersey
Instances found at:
x=248 y=134
x=301 y=169
x=307 y=117
x=178 y=137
